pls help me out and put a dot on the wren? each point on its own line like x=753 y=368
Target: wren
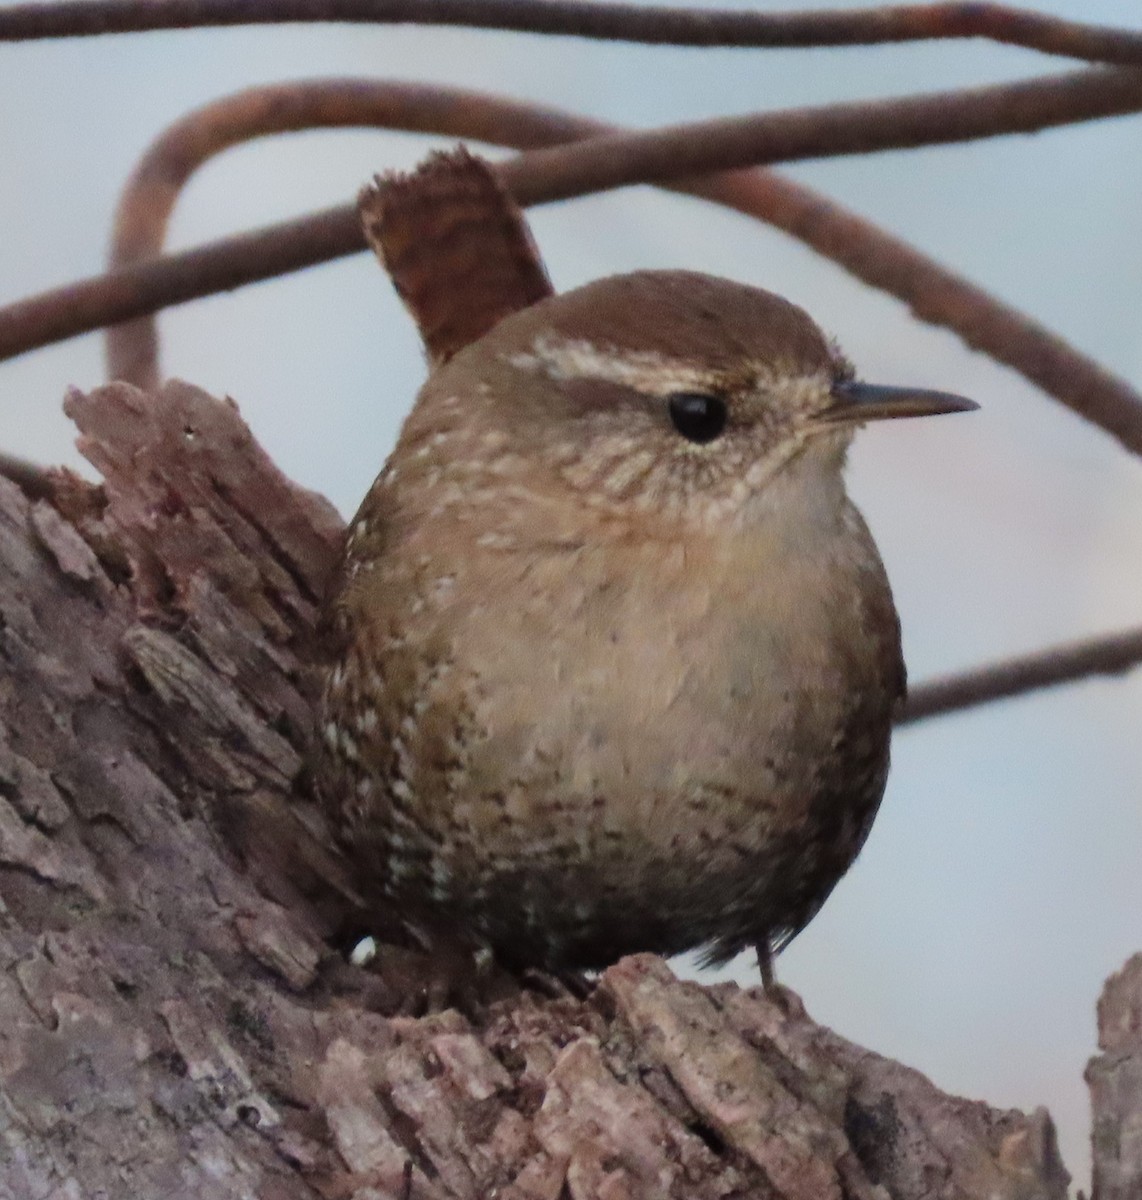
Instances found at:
x=617 y=657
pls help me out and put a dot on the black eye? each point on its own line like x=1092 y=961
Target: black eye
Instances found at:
x=696 y=416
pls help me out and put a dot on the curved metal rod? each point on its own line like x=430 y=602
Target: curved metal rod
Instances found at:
x=149 y=196
x=657 y=25
x=933 y=292
x=556 y=173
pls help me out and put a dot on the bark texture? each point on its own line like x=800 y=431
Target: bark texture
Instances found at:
x=175 y=1020
x=1115 y=1079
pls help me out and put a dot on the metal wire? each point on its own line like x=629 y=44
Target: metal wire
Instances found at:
x=653 y=25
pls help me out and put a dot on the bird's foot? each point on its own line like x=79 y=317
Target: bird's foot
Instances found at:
x=443 y=971
x=558 y=985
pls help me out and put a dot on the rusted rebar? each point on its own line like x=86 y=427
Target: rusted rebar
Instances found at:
x=149 y=196
x=934 y=293
x=653 y=25
x=1110 y=655
x=549 y=174
x=826 y=131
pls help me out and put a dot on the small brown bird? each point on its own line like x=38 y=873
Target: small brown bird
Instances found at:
x=617 y=656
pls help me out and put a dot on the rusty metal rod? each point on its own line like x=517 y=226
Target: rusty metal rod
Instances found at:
x=653 y=25
x=609 y=161
x=1110 y=655
x=932 y=291
x=792 y=135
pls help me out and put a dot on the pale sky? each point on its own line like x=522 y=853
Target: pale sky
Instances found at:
x=1001 y=883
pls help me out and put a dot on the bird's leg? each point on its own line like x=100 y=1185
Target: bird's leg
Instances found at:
x=765 y=966
x=786 y=1000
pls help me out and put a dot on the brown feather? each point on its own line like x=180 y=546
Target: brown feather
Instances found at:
x=456 y=246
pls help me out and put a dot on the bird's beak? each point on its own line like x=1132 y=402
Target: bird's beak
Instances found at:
x=855 y=402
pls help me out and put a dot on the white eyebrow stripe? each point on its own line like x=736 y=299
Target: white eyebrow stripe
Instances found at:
x=648 y=371
x=574 y=358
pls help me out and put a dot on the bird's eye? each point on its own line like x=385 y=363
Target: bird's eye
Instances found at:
x=697 y=416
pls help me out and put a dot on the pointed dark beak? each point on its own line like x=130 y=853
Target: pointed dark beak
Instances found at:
x=855 y=402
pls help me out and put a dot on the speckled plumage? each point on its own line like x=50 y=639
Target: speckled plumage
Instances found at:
x=601 y=689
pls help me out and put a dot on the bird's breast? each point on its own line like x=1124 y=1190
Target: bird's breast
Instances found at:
x=593 y=744
x=639 y=681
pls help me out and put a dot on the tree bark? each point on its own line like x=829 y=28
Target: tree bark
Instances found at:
x=1115 y=1080
x=176 y=1015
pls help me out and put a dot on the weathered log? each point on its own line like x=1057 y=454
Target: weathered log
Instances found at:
x=176 y=1016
